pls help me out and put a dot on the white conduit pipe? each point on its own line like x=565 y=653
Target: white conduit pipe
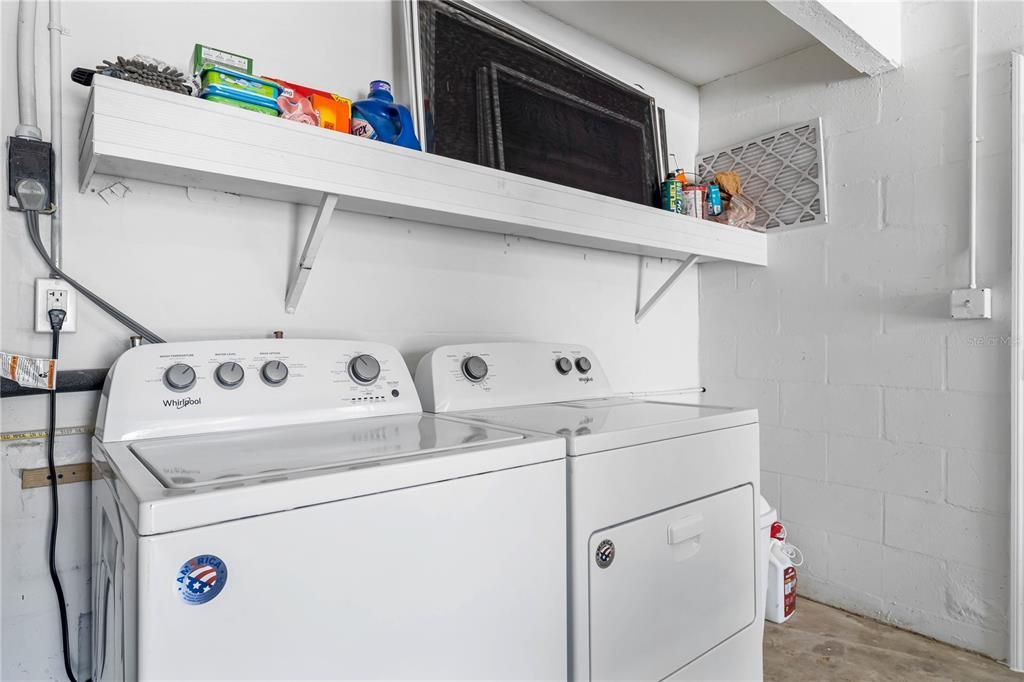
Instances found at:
x=56 y=131
x=27 y=125
x=1016 y=654
x=973 y=149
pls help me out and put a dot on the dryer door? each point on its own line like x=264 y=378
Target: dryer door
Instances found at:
x=667 y=587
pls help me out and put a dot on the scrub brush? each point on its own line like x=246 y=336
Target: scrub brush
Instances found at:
x=137 y=70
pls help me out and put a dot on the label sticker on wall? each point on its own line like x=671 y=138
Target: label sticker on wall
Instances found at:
x=29 y=372
x=201 y=578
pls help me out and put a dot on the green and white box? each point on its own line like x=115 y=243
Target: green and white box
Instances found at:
x=204 y=56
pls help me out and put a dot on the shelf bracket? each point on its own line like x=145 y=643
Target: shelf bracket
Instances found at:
x=642 y=310
x=300 y=275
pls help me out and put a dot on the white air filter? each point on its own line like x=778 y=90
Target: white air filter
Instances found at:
x=782 y=172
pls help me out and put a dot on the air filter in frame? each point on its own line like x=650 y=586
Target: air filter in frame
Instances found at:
x=782 y=172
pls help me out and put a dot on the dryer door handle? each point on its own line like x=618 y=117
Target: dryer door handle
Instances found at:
x=687 y=528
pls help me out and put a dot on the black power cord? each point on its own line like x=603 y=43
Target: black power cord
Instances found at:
x=56 y=324
x=32 y=197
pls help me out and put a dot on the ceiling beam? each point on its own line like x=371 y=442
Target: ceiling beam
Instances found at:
x=865 y=35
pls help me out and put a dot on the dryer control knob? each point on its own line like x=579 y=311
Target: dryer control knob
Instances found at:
x=229 y=374
x=474 y=368
x=583 y=364
x=180 y=377
x=274 y=372
x=364 y=369
x=563 y=365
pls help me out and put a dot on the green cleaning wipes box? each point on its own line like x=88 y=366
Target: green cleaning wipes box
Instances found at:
x=203 y=57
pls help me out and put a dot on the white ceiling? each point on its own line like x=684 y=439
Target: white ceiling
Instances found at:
x=696 y=41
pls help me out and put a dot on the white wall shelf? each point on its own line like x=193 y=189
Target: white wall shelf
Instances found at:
x=133 y=131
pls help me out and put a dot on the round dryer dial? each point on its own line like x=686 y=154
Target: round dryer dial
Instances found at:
x=563 y=365
x=274 y=372
x=583 y=364
x=364 y=369
x=180 y=377
x=229 y=375
x=474 y=368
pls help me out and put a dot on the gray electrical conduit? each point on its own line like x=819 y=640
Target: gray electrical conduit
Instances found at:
x=56 y=31
x=32 y=218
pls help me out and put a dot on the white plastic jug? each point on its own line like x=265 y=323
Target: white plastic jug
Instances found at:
x=781 y=601
x=768 y=517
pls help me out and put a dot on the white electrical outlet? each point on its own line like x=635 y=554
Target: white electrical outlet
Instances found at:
x=971 y=304
x=55 y=293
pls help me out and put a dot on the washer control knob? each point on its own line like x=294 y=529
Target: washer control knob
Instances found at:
x=274 y=372
x=364 y=369
x=563 y=365
x=229 y=375
x=583 y=364
x=180 y=377
x=474 y=368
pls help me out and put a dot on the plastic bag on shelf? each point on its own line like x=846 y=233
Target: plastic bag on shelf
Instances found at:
x=738 y=210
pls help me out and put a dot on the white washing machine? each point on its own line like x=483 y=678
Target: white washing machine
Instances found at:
x=663 y=508
x=281 y=509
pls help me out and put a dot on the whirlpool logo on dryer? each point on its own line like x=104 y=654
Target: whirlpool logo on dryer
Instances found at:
x=181 y=403
x=585 y=380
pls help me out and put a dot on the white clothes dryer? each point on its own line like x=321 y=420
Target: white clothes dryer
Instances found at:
x=663 y=508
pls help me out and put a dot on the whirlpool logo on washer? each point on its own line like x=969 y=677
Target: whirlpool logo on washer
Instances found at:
x=181 y=403
x=201 y=578
x=585 y=380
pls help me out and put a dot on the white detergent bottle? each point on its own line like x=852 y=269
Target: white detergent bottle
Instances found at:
x=783 y=559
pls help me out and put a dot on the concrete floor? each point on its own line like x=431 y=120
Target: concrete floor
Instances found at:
x=822 y=643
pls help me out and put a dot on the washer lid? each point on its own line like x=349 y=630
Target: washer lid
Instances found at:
x=215 y=459
x=608 y=423
x=181 y=482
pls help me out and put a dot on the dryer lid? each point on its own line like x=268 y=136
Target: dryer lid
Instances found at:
x=609 y=423
x=216 y=459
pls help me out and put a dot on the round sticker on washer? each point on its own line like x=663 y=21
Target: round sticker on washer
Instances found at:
x=201 y=578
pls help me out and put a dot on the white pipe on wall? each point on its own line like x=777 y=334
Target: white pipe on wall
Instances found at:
x=973 y=148
x=1016 y=649
x=27 y=124
x=56 y=131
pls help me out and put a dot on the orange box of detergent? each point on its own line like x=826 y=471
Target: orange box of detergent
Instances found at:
x=334 y=112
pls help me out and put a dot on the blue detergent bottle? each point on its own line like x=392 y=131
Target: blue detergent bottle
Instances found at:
x=379 y=118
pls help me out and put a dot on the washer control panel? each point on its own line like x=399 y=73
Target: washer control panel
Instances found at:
x=207 y=386
x=476 y=376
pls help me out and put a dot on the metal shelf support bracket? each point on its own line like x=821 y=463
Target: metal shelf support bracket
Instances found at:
x=642 y=310
x=300 y=275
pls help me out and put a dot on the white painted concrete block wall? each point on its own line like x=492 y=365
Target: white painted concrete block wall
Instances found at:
x=885 y=424
x=218 y=270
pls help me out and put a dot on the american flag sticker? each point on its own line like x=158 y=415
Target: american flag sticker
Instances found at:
x=201 y=578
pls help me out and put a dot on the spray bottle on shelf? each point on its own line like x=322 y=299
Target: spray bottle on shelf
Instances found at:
x=783 y=558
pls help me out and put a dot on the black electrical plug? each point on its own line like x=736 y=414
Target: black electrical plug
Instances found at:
x=57 y=316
